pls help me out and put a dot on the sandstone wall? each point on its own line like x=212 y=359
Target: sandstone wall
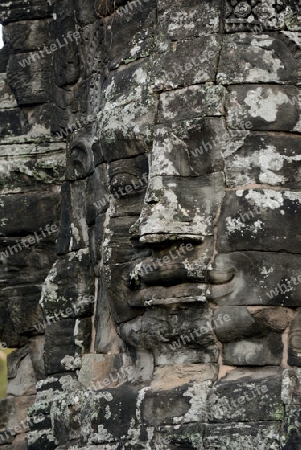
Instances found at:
x=162 y=138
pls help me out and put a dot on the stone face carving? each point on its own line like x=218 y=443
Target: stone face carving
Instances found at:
x=170 y=315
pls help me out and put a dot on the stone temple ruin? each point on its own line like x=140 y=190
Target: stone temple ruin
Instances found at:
x=150 y=244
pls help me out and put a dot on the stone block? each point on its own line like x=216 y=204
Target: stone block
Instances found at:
x=27 y=35
x=189 y=62
x=189 y=149
x=254 y=351
x=254 y=219
x=276 y=64
x=267 y=107
x=65 y=341
x=256 y=278
x=37 y=9
x=246 y=396
x=30 y=78
x=37 y=209
x=262 y=158
x=242 y=435
x=191 y=102
x=69 y=297
x=186 y=19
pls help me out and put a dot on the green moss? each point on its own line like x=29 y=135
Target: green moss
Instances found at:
x=129 y=60
x=279 y=413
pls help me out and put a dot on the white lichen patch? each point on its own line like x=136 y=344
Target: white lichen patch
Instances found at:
x=140 y=76
x=293 y=196
x=140 y=399
x=8 y=100
x=267 y=159
x=266 y=75
x=71 y=362
x=198 y=396
x=258 y=225
x=102 y=435
x=264 y=103
x=266 y=272
x=108 y=412
x=163 y=154
x=233 y=225
x=266 y=199
x=49 y=289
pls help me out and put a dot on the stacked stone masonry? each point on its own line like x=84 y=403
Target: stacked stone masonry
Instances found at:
x=150 y=198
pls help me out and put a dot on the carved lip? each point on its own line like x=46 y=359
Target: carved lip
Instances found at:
x=177 y=294
x=220 y=276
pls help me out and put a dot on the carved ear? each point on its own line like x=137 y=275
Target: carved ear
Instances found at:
x=79 y=160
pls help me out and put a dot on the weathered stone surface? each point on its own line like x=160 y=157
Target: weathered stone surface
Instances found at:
x=24 y=308
x=271 y=108
x=164 y=407
x=66 y=68
x=232 y=323
x=128 y=108
x=21 y=374
x=36 y=9
x=73 y=234
x=294 y=347
x=239 y=61
x=27 y=35
x=65 y=342
x=189 y=209
x=100 y=412
x=7 y=97
x=264 y=159
x=276 y=319
x=128 y=181
x=12 y=122
x=29 y=78
x=187 y=63
x=139 y=282
x=255 y=351
x=254 y=219
x=157 y=329
x=134 y=41
x=4 y=57
x=246 y=396
x=241 y=435
x=181 y=19
x=37 y=211
x=191 y=102
x=191 y=148
x=63 y=297
x=145 y=327
x=258 y=279
x=31 y=164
